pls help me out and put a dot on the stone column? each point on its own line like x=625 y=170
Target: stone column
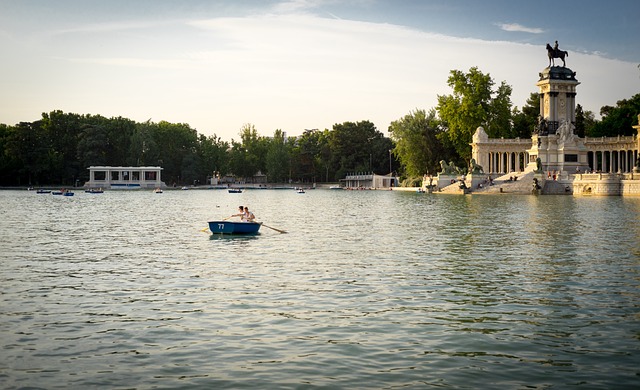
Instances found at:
x=493 y=162
x=554 y=110
x=541 y=105
x=571 y=106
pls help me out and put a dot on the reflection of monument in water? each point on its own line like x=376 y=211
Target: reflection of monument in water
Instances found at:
x=560 y=161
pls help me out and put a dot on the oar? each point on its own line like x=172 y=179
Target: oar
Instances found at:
x=277 y=230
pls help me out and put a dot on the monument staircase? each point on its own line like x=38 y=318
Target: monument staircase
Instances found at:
x=501 y=184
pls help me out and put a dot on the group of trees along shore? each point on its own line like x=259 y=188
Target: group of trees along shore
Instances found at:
x=58 y=148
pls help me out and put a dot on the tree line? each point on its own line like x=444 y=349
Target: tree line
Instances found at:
x=58 y=148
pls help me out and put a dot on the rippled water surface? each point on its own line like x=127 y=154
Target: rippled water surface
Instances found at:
x=370 y=289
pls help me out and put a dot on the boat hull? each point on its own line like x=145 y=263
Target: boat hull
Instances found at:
x=227 y=227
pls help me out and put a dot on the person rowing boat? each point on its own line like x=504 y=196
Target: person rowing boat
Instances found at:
x=248 y=215
x=244 y=214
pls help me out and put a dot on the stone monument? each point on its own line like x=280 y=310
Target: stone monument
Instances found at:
x=554 y=141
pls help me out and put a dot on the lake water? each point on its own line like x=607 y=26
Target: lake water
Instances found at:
x=368 y=289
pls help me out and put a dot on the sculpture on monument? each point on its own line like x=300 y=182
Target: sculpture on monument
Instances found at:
x=448 y=169
x=542 y=128
x=538 y=166
x=536 y=186
x=554 y=52
x=565 y=131
x=475 y=168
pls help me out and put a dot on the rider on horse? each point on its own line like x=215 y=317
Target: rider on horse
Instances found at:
x=554 y=52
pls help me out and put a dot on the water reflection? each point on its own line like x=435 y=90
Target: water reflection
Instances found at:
x=233 y=237
x=385 y=288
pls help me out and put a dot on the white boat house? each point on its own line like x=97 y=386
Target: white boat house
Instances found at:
x=124 y=177
x=369 y=180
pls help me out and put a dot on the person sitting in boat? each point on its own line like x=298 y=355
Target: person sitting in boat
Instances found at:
x=241 y=213
x=248 y=215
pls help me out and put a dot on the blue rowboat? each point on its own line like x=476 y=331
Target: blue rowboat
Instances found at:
x=227 y=227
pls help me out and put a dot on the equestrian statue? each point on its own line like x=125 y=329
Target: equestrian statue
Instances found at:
x=554 y=52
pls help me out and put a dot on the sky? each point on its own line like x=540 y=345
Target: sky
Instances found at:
x=293 y=65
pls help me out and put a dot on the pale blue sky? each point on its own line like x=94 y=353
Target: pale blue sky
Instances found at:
x=296 y=65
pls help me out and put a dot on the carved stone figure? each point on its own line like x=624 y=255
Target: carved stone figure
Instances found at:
x=565 y=131
x=448 y=169
x=538 y=166
x=475 y=168
x=535 y=185
x=542 y=128
x=553 y=53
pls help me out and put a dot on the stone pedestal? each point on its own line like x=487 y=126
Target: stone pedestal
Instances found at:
x=540 y=178
x=474 y=180
x=444 y=180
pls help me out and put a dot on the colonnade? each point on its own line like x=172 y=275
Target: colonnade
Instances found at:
x=505 y=162
x=612 y=161
x=612 y=154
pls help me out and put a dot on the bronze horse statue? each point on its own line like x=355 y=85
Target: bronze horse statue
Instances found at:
x=556 y=53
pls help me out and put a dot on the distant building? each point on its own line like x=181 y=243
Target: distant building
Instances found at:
x=370 y=180
x=554 y=142
x=124 y=177
x=555 y=157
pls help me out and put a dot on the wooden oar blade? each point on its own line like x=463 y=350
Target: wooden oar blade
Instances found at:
x=272 y=228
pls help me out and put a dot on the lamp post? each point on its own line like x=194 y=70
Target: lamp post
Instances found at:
x=390 y=171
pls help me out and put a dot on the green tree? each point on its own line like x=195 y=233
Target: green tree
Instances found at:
x=311 y=156
x=61 y=132
x=9 y=165
x=28 y=148
x=416 y=142
x=120 y=133
x=352 y=147
x=213 y=156
x=248 y=156
x=525 y=120
x=277 y=158
x=585 y=120
x=93 y=142
x=474 y=103
x=618 y=120
x=143 y=148
x=175 y=142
